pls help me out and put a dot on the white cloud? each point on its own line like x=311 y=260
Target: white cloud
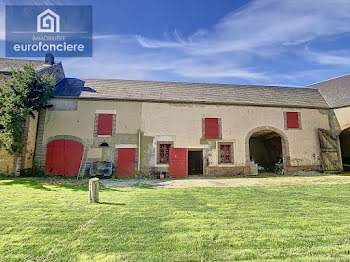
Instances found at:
x=2 y=22
x=265 y=24
x=229 y=51
x=339 y=57
x=244 y=46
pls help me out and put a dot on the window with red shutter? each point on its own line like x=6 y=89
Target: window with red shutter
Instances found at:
x=105 y=124
x=292 y=119
x=211 y=128
x=164 y=153
x=225 y=153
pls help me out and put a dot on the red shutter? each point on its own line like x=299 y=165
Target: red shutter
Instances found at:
x=211 y=128
x=105 y=124
x=292 y=119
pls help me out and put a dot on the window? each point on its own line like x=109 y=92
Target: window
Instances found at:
x=105 y=124
x=225 y=153
x=292 y=120
x=211 y=128
x=164 y=153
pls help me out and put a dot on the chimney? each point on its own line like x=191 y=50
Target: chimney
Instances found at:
x=49 y=59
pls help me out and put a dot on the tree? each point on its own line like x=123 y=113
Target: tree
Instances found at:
x=20 y=95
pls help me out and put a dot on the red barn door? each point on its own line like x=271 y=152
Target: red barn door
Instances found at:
x=63 y=157
x=178 y=162
x=126 y=162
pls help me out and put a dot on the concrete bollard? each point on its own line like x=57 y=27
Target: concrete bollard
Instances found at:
x=93 y=190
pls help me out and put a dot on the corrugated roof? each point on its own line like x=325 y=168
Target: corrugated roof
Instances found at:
x=7 y=64
x=190 y=92
x=336 y=91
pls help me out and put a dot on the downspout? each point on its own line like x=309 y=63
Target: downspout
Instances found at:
x=139 y=151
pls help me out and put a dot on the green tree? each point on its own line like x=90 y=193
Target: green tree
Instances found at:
x=20 y=95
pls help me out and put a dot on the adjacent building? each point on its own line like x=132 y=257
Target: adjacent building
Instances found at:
x=13 y=164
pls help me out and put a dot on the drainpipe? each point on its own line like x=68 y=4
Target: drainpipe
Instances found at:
x=139 y=151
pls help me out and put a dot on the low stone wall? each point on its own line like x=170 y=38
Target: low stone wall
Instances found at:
x=227 y=171
x=157 y=169
x=293 y=169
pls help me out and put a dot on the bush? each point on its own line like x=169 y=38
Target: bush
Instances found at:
x=32 y=172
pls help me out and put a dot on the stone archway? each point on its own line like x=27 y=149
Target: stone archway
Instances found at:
x=272 y=136
x=343 y=140
x=71 y=139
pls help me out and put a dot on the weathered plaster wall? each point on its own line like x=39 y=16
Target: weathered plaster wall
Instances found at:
x=181 y=124
x=7 y=162
x=343 y=117
x=77 y=119
x=80 y=122
x=184 y=122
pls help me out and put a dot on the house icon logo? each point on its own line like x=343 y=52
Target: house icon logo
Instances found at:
x=48 y=22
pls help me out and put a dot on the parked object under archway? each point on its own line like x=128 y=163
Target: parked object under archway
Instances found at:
x=344 y=139
x=265 y=149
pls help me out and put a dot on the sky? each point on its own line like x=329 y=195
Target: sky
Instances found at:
x=263 y=42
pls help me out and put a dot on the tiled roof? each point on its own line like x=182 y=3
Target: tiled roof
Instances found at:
x=335 y=91
x=190 y=92
x=7 y=64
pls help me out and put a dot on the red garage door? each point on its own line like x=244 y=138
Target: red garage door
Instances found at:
x=126 y=162
x=178 y=162
x=63 y=157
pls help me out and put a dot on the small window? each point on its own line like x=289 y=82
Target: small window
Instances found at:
x=211 y=128
x=164 y=153
x=292 y=120
x=105 y=124
x=225 y=153
x=104 y=145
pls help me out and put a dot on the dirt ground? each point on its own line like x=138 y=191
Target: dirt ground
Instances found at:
x=298 y=179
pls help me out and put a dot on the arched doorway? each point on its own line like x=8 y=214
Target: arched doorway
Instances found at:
x=267 y=146
x=63 y=157
x=344 y=139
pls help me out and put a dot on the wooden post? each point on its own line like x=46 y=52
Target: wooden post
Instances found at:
x=93 y=190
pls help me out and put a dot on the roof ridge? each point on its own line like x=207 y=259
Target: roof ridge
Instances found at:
x=198 y=83
x=327 y=80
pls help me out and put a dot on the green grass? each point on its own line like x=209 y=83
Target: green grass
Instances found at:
x=40 y=221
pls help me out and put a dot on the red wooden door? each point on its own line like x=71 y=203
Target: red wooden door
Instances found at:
x=126 y=162
x=63 y=157
x=178 y=164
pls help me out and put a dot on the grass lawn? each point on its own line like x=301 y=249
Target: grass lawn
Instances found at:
x=40 y=221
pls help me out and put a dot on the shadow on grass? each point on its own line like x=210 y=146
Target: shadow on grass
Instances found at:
x=29 y=183
x=83 y=187
x=79 y=187
x=143 y=185
x=112 y=204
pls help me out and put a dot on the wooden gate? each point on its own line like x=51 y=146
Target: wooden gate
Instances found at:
x=330 y=155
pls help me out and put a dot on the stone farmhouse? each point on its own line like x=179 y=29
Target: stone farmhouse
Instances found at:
x=185 y=128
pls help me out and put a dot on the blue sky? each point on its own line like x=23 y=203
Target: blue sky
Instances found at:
x=270 y=42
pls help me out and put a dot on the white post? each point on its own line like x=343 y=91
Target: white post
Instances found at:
x=93 y=190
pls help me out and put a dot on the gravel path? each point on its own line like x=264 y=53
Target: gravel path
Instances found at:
x=229 y=182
